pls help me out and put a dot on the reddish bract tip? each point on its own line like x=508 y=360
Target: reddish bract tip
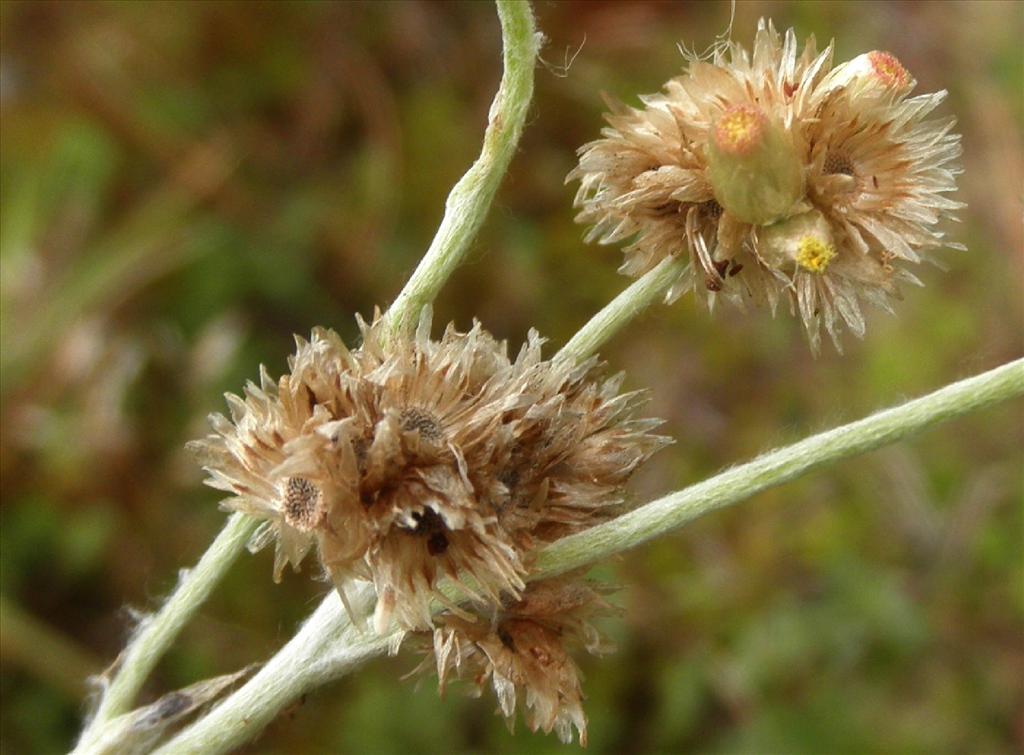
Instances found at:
x=888 y=69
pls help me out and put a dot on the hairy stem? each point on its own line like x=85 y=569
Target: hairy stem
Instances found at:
x=780 y=466
x=471 y=197
x=637 y=297
x=303 y=663
x=465 y=209
x=339 y=649
x=157 y=632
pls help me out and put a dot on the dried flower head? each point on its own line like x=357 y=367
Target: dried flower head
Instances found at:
x=267 y=457
x=523 y=649
x=411 y=459
x=741 y=143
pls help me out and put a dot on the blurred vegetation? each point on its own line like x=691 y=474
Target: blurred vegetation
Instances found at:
x=185 y=185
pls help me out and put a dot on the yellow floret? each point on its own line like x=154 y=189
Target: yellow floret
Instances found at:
x=814 y=255
x=739 y=130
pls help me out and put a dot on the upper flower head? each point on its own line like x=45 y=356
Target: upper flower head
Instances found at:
x=742 y=142
x=410 y=459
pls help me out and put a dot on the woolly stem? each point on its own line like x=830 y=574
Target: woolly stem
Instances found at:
x=157 y=632
x=780 y=466
x=637 y=297
x=244 y=713
x=470 y=199
x=465 y=209
x=303 y=663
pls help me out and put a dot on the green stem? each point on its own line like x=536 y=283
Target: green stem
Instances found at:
x=338 y=648
x=157 y=632
x=780 y=466
x=326 y=643
x=471 y=197
x=465 y=210
x=637 y=297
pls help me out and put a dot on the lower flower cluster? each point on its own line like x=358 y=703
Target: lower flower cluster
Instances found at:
x=409 y=461
x=522 y=649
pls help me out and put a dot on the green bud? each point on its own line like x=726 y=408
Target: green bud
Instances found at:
x=755 y=172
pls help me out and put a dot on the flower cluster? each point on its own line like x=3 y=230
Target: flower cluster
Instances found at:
x=522 y=649
x=409 y=460
x=778 y=176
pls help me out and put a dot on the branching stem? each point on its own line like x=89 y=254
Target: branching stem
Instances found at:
x=465 y=210
x=157 y=632
x=244 y=713
x=328 y=646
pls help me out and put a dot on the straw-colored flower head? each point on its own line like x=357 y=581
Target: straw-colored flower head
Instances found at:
x=410 y=459
x=523 y=651
x=268 y=456
x=743 y=142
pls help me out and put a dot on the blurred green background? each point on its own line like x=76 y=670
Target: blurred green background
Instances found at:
x=185 y=185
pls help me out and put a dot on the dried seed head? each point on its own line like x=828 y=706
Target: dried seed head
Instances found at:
x=837 y=164
x=766 y=136
x=523 y=650
x=423 y=422
x=412 y=459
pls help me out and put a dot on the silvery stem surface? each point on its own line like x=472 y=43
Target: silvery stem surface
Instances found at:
x=634 y=299
x=156 y=633
x=341 y=649
x=465 y=210
x=779 y=466
x=325 y=647
x=470 y=199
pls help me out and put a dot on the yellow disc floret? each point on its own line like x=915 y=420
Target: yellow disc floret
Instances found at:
x=800 y=242
x=814 y=254
x=739 y=130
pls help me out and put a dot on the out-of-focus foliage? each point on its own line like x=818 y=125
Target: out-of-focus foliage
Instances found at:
x=185 y=185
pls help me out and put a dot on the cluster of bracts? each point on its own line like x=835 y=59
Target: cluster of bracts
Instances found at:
x=436 y=470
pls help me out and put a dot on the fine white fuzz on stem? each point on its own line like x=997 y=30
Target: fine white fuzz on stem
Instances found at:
x=783 y=232
x=471 y=197
x=156 y=633
x=780 y=466
x=243 y=714
x=465 y=211
x=618 y=313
